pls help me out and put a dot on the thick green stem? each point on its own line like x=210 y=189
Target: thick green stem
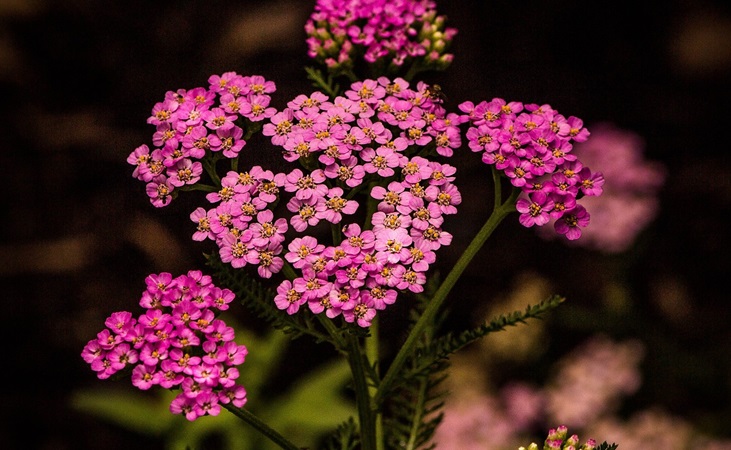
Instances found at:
x=500 y=211
x=366 y=413
x=262 y=427
x=372 y=345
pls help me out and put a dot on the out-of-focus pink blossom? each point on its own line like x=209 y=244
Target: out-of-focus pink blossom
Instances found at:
x=629 y=202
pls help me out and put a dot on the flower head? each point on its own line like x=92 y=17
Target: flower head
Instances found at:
x=156 y=347
x=396 y=33
x=531 y=144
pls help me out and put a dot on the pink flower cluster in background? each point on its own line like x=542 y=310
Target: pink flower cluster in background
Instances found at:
x=584 y=391
x=193 y=123
x=630 y=201
x=585 y=386
x=532 y=145
x=592 y=380
x=177 y=343
x=559 y=439
x=387 y=32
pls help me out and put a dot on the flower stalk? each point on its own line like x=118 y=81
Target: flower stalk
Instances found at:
x=500 y=211
x=261 y=426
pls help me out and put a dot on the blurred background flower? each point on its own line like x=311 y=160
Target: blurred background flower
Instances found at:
x=630 y=201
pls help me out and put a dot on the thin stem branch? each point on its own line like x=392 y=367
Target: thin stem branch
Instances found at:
x=333 y=331
x=500 y=211
x=261 y=427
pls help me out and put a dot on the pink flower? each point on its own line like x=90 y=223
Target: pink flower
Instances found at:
x=534 y=210
x=348 y=171
x=288 y=298
x=381 y=161
x=144 y=376
x=446 y=196
x=391 y=198
x=185 y=172
x=334 y=206
x=306 y=186
x=202 y=219
x=218 y=118
x=312 y=285
x=306 y=212
x=230 y=141
x=269 y=263
x=279 y=127
x=162 y=113
x=361 y=312
x=237 y=252
x=257 y=108
x=160 y=191
x=571 y=222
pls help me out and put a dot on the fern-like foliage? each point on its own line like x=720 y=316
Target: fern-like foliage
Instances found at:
x=605 y=446
x=344 y=438
x=414 y=412
x=442 y=347
x=259 y=300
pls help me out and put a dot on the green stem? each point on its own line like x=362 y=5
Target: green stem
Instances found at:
x=334 y=332
x=414 y=69
x=419 y=410
x=500 y=211
x=288 y=271
x=262 y=427
x=337 y=234
x=372 y=344
x=371 y=208
x=366 y=415
x=198 y=187
x=316 y=76
x=209 y=164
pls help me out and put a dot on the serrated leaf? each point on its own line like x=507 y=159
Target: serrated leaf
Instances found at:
x=605 y=446
x=450 y=343
x=345 y=437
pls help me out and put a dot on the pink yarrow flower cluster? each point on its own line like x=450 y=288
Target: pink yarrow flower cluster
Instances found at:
x=531 y=145
x=370 y=134
x=196 y=123
x=177 y=343
x=392 y=32
x=242 y=223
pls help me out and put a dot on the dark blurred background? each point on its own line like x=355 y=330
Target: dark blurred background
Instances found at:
x=80 y=77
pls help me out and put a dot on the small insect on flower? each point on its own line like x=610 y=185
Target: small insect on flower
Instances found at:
x=434 y=92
